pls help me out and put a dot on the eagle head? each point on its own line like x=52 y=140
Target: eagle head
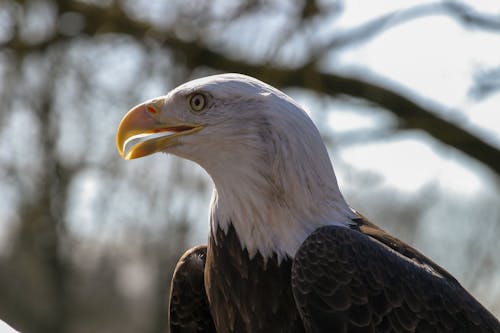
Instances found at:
x=263 y=152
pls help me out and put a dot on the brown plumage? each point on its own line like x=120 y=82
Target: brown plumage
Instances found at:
x=189 y=311
x=341 y=280
x=286 y=253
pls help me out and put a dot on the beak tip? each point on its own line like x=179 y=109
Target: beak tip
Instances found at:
x=119 y=148
x=124 y=155
x=134 y=122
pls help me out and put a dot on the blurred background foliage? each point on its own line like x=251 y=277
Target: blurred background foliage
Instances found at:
x=88 y=242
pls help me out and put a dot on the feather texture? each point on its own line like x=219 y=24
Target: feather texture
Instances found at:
x=188 y=308
x=361 y=285
x=286 y=253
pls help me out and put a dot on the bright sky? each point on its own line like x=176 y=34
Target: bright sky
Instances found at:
x=437 y=58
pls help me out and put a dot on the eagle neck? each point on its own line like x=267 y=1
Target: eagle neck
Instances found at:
x=272 y=214
x=274 y=181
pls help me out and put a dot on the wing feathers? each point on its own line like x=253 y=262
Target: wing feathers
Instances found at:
x=346 y=281
x=189 y=311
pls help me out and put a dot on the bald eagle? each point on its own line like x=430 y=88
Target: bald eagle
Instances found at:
x=285 y=253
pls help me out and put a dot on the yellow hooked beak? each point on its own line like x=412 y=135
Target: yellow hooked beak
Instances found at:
x=140 y=133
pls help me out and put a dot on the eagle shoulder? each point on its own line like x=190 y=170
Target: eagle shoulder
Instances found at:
x=346 y=281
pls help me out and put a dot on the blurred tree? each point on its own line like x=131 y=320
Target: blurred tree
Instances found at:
x=89 y=243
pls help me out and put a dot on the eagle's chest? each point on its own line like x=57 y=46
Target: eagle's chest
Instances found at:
x=248 y=295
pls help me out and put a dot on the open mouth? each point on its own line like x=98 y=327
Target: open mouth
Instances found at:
x=154 y=140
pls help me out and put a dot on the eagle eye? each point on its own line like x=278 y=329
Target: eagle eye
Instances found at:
x=197 y=102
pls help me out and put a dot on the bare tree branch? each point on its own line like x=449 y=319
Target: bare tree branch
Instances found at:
x=469 y=16
x=410 y=113
x=365 y=31
x=41 y=264
x=193 y=53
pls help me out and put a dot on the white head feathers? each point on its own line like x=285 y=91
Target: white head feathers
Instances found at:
x=273 y=178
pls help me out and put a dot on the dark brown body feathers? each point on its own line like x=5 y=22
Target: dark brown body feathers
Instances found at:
x=189 y=310
x=341 y=281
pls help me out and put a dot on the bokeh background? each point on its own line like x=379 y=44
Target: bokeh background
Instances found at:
x=406 y=94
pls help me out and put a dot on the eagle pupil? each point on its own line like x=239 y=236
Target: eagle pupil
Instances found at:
x=197 y=102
